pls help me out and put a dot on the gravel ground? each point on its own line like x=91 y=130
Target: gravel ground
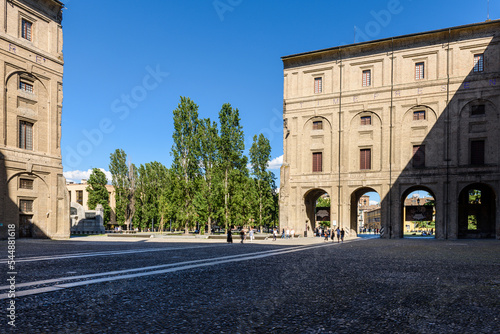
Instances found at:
x=367 y=286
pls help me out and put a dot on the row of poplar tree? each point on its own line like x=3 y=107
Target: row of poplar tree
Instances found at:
x=209 y=182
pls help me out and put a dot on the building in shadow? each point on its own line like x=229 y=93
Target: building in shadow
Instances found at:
x=394 y=116
x=33 y=193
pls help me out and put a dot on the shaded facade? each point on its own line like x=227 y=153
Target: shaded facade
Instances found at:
x=414 y=112
x=33 y=193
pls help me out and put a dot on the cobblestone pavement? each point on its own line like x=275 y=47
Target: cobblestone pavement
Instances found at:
x=305 y=285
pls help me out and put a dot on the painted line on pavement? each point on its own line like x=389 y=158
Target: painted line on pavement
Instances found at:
x=177 y=267
x=107 y=253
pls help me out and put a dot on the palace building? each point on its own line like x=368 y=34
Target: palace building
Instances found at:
x=33 y=194
x=410 y=113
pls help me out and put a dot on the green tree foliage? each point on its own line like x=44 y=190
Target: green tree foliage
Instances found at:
x=207 y=198
x=98 y=194
x=323 y=202
x=185 y=166
x=151 y=184
x=124 y=182
x=260 y=155
x=232 y=160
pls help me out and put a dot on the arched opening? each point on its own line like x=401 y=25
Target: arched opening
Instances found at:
x=317 y=202
x=476 y=212
x=366 y=213
x=418 y=205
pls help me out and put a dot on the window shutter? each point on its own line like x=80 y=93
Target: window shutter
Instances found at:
x=418 y=156
x=317 y=162
x=477 y=152
x=365 y=159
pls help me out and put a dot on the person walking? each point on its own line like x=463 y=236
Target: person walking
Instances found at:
x=242 y=235
x=342 y=233
x=251 y=235
x=274 y=234
x=292 y=233
x=287 y=233
x=229 y=236
x=283 y=234
x=327 y=234
x=338 y=234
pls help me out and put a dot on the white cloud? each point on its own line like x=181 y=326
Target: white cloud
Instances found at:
x=276 y=163
x=373 y=202
x=77 y=175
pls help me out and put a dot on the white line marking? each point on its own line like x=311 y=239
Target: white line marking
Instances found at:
x=179 y=266
x=108 y=253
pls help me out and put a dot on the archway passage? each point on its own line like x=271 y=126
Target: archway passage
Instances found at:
x=476 y=212
x=366 y=213
x=310 y=200
x=419 y=212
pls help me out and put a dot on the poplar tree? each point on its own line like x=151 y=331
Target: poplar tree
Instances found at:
x=231 y=146
x=123 y=180
x=185 y=165
x=98 y=194
x=207 y=198
x=260 y=155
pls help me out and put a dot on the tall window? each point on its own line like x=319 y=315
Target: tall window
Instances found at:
x=479 y=62
x=26 y=205
x=365 y=158
x=418 y=156
x=419 y=115
x=26 y=27
x=419 y=71
x=25 y=135
x=317 y=162
x=366 y=120
x=477 y=152
x=318 y=125
x=27 y=87
x=318 y=85
x=79 y=197
x=367 y=78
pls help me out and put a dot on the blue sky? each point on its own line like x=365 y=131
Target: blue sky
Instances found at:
x=128 y=62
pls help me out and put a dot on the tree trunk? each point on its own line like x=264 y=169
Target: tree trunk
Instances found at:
x=209 y=225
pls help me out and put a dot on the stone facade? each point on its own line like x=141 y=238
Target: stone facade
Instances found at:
x=33 y=193
x=78 y=194
x=414 y=112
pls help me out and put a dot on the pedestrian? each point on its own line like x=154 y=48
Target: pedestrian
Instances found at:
x=327 y=232
x=342 y=233
x=229 y=236
x=274 y=234
x=242 y=234
x=251 y=235
x=287 y=233
x=283 y=234
x=338 y=234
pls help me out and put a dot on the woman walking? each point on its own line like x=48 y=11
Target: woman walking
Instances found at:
x=229 y=236
x=342 y=233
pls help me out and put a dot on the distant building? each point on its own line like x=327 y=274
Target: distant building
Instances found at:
x=78 y=194
x=372 y=219
x=33 y=194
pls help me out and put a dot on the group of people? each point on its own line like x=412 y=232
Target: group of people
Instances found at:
x=243 y=235
x=331 y=233
x=285 y=234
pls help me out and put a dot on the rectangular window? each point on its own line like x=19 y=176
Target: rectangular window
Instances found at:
x=318 y=85
x=419 y=115
x=367 y=78
x=477 y=152
x=477 y=110
x=318 y=125
x=317 y=162
x=25 y=135
x=419 y=71
x=26 y=27
x=25 y=86
x=366 y=120
x=479 y=62
x=79 y=197
x=418 y=156
x=26 y=205
x=26 y=184
x=365 y=158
